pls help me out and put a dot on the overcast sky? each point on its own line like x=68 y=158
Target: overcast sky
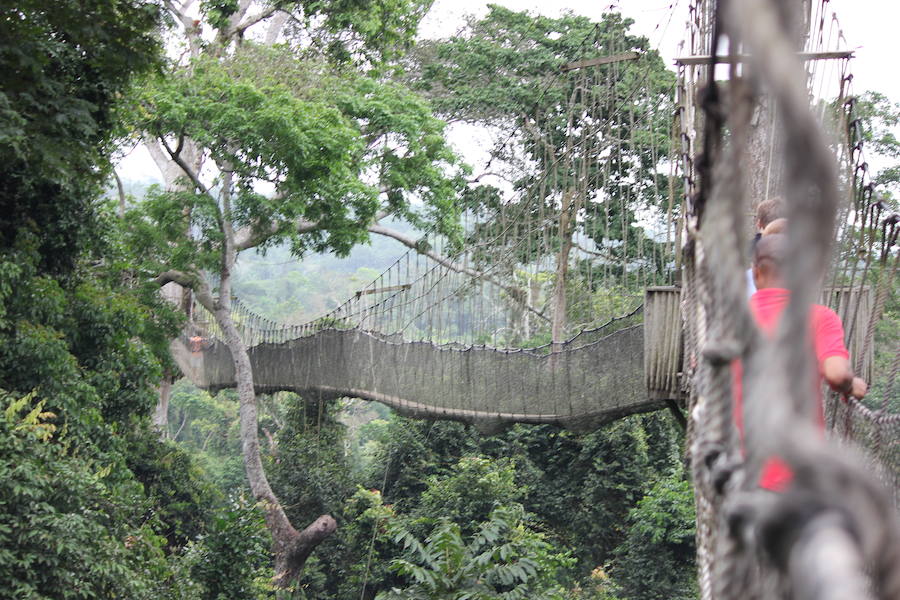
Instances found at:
x=869 y=26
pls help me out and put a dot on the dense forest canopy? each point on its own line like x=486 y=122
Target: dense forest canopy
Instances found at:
x=283 y=129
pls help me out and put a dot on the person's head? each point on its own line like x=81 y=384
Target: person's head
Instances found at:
x=776 y=226
x=767 y=211
x=768 y=258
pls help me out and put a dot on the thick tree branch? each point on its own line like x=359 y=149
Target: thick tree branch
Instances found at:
x=156 y=153
x=275 y=26
x=121 y=190
x=191 y=281
x=246 y=238
x=592 y=252
x=490 y=174
x=251 y=21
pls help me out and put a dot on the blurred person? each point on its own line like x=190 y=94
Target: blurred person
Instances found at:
x=826 y=337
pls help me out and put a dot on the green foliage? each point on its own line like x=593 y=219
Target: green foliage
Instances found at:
x=69 y=527
x=183 y=497
x=83 y=345
x=323 y=145
x=311 y=437
x=207 y=427
x=879 y=118
x=91 y=504
x=583 y=486
x=656 y=560
x=218 y=12
x=503 y=559
x=63 y=72
x=408 y=452
x=232 y=559
x=373 y=31
x=504 y=72
x=468 y=494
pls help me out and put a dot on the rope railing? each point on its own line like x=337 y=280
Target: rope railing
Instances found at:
x=821 y=537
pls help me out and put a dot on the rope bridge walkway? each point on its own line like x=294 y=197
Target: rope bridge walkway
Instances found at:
x=533 y=311
x=610 y=281
x=480 y=385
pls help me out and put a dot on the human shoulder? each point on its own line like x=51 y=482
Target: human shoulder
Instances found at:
x=828 y=333
x=824 y=314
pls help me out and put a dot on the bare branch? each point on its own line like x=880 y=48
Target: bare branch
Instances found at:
x=490 y=174
x=178 y=13
x=251 y=21
x=514 y=292
x=592 y=252
x=176 y=157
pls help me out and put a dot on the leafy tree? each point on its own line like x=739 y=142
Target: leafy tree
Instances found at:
x=80 y=349
x=232 y=559
x=581 y=487
x=503 y=559
x=182 y=496
x=656 y=560
x=340 y=149
x=471 y=490
x=63 y=71
x=312 y=437
x=411 y=452
x=69 y=527
x=879 y=118
x=584 y=141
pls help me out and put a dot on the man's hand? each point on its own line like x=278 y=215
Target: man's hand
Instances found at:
x=858 y=388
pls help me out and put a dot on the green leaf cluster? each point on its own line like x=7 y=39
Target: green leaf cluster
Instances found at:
x=335 y=148
x=656 y=559
x=69 y=528
x=65 y=68
x=503 y=559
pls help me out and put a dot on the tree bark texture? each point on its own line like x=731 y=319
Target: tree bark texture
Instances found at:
x=161 y=413
x=290 y=547
x=566 y=217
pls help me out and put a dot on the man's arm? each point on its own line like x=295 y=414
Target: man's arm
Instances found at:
x=839 y=375
x=833 y=357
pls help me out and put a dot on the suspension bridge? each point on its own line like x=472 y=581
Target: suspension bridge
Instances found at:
x=591 y=292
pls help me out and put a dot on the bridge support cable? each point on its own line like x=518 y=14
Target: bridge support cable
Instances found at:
x=751 y=542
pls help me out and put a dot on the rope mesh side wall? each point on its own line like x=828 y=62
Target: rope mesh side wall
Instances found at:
x=861 y=279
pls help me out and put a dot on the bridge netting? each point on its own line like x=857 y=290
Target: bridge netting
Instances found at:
x=531 y=310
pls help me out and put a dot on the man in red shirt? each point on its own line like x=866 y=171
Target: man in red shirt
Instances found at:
x=826 y=339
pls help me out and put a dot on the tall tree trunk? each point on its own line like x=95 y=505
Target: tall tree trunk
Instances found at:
x=290 y=547
x=161 y=414
x=173 y=179
x=558 y=330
